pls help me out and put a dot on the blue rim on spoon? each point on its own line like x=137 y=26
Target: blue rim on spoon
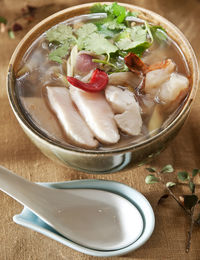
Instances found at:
x=28 y=219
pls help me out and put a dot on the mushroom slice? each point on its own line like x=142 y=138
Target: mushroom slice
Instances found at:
x=97 y=113
x=130 y=122
x=158 y=74
x=73 y=125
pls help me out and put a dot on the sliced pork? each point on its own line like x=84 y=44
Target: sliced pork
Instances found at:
x=72 y=123
x=97 y=114
x=123 y=103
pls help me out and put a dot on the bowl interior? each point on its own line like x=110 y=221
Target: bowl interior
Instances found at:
x=61 y=16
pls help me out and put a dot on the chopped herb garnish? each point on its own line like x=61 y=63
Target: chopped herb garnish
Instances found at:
x=98 y=44
x=3 y=20
x=112 y=36
x=59 y=53
x=61 y=34
x=159 y=33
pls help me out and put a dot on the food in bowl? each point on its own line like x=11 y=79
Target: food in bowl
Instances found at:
x=44 y=69
x=99 y=83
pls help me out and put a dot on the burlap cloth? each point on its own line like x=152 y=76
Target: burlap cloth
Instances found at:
x=20 y=155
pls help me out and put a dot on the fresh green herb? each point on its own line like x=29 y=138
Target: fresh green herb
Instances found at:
x=61 y=34
x=98 y=44
x=3 y=20
x=86 y=30
x=59 y=53
x=170 y=184
x=158 y=32
x=94 y=37
x=11 y=34
x=150 y=179
x=114 y=11
x=134 y=40
x=183 y=176
x=104 y=62
x=98 y=8
x=167 y=169
x=187 y=202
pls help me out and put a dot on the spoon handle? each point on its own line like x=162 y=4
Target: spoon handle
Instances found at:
x=27 y=193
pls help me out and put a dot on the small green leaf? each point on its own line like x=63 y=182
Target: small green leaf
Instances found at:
x=192 y=186
x=159 y=33
x=167 y=169
x=98 y=8
x=195 y=172
x=99 y=44
x=119 y=11
x=151 y=169
x=170 y=184
x=86 y=30
x=190 y=201
x=59 y=53
x=3 y=20
x=183 y=176
x=60 y=34
x=11 y=34
x=150 y=179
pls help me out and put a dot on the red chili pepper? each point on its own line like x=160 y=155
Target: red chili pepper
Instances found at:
x=98 y=81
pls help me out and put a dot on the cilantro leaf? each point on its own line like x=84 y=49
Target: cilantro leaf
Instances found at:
x=99 y=44
x=119 y=12
x=138 y=33
x=159 y=33
x=60 y=34
x=98 y=8
x=113 y=25
x=114 y=11
x=86 y=29
x=59 y=53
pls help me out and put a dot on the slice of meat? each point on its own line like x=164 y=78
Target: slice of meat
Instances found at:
x=130 y=122
x=97 y=114
x=120 y=99
x=123 y=103
x=72 y=123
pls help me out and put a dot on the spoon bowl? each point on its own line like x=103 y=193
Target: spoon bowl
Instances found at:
x=93 y=218
x=29 y=220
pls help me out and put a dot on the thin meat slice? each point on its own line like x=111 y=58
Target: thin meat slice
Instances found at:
x=72 y=123
x=130 y=122
x=97 y=114
x=120 y=99
x=123 y=103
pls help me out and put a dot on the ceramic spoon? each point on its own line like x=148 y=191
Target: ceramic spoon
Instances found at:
x=92 y=218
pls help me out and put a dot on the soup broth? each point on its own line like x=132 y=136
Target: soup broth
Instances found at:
x=138 y=100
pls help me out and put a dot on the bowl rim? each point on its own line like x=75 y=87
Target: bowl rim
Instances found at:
x=32 y=129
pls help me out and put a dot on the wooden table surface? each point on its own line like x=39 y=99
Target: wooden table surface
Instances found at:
x=20 y=155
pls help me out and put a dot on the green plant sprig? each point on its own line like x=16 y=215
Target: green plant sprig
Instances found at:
x=186 y=202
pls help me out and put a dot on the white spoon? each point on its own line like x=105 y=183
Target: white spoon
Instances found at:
x=92 y=218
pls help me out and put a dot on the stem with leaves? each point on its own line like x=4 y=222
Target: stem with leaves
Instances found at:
x=186 y=202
